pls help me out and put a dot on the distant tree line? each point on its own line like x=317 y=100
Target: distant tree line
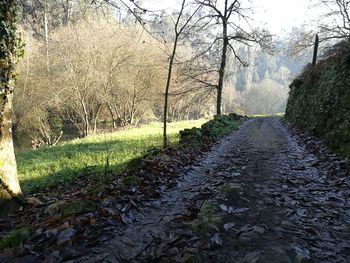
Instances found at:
x=88 y=69
x=94 y=72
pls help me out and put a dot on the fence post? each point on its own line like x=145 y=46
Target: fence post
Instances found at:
x=314 y=59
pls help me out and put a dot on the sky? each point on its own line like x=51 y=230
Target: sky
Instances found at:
x=283 y=14
x=277 y=15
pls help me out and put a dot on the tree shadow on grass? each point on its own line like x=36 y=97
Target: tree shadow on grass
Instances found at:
x=53 y=166
x=69 y=176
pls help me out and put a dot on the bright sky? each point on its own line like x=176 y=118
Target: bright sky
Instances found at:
x=276 y=14
x=283 y=14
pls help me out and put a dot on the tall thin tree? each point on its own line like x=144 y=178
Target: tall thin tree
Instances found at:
x=178 y=30
x=231 y=30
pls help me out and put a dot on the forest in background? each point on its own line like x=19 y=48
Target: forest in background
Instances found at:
x=88 y=68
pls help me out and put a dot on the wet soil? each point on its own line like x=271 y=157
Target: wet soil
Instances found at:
x=261 y=195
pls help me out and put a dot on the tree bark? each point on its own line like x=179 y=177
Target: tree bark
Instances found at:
x=222 y=68
x=114 y=118
x=178 y=32
x=96 y=118
x=166 y=95
x=86 y=119
x=9 y=185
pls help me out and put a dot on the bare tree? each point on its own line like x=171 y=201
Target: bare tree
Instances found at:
x=43 y=15
x=178 y=30
x=336 y=21
x=78 y=61
x=36 y=111
x=331 y=26
x=227 y=15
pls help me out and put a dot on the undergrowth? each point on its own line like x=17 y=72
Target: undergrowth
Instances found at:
x=210 y=131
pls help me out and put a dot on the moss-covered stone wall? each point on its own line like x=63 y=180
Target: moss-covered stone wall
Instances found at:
x=319 y=99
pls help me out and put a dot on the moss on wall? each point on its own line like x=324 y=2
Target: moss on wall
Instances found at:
x=319 y=99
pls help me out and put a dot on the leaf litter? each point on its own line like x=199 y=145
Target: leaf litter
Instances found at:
x=293 y=202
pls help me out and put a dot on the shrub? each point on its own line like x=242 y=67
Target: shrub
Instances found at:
x=211 y=130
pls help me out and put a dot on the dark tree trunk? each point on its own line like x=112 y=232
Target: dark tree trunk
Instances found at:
x=166 y=95
x=222 y=68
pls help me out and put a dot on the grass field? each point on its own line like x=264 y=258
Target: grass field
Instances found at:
x=51 y=166
x=280 y=114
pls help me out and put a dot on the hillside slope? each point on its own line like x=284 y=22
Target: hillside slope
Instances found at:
x=319 y=99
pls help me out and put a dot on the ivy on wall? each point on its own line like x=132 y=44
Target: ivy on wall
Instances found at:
x=319 y=99
x=11 y=45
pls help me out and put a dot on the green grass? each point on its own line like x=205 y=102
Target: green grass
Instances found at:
x=15 y=237
x=279 y=114
x=51 y=166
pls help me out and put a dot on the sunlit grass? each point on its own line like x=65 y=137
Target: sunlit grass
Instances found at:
x=51 y=166
x=279 y=114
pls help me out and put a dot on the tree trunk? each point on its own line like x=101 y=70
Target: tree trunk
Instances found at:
x=114 y=119
x=9 y=185
x=222 y=70
x=166 y=95
x=96 y=118
x=86 y=119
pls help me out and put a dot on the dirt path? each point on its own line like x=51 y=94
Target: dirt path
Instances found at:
x=258 y=196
